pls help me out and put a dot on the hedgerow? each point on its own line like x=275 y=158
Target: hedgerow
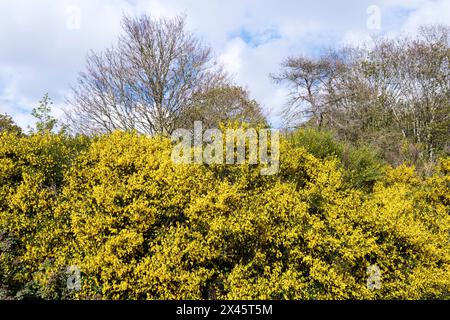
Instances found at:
x=139 y=226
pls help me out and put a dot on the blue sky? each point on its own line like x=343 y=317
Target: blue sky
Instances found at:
x=44 y=42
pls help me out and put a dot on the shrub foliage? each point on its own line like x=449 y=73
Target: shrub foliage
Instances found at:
x=140 y=227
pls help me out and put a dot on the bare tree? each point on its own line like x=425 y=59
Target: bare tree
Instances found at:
x=312 y=84
x=395 y=88
x=145 y=81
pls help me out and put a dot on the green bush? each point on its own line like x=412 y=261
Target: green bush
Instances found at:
x=362 y=165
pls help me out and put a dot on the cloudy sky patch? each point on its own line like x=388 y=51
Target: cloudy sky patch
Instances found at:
x=44 y=43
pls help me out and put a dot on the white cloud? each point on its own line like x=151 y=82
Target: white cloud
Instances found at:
x=432 y=12
x=232 y=56
x=39 y=54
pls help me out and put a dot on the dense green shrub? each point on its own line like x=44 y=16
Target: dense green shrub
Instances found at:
x=362 y=164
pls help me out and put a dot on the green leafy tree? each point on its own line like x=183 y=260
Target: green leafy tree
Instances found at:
x=223 y=104
x=46 y=122
x=7 y=124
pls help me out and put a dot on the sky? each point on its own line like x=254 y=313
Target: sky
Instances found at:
x=43 y=43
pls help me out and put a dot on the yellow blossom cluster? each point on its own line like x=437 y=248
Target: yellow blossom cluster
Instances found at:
x=139 y=226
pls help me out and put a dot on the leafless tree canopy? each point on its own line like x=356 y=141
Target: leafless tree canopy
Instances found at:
x=313 y=84
x=145 y=81
x=400 y=85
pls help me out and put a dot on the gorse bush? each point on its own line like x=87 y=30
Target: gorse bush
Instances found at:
x=139 y=226
x=32 y=172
